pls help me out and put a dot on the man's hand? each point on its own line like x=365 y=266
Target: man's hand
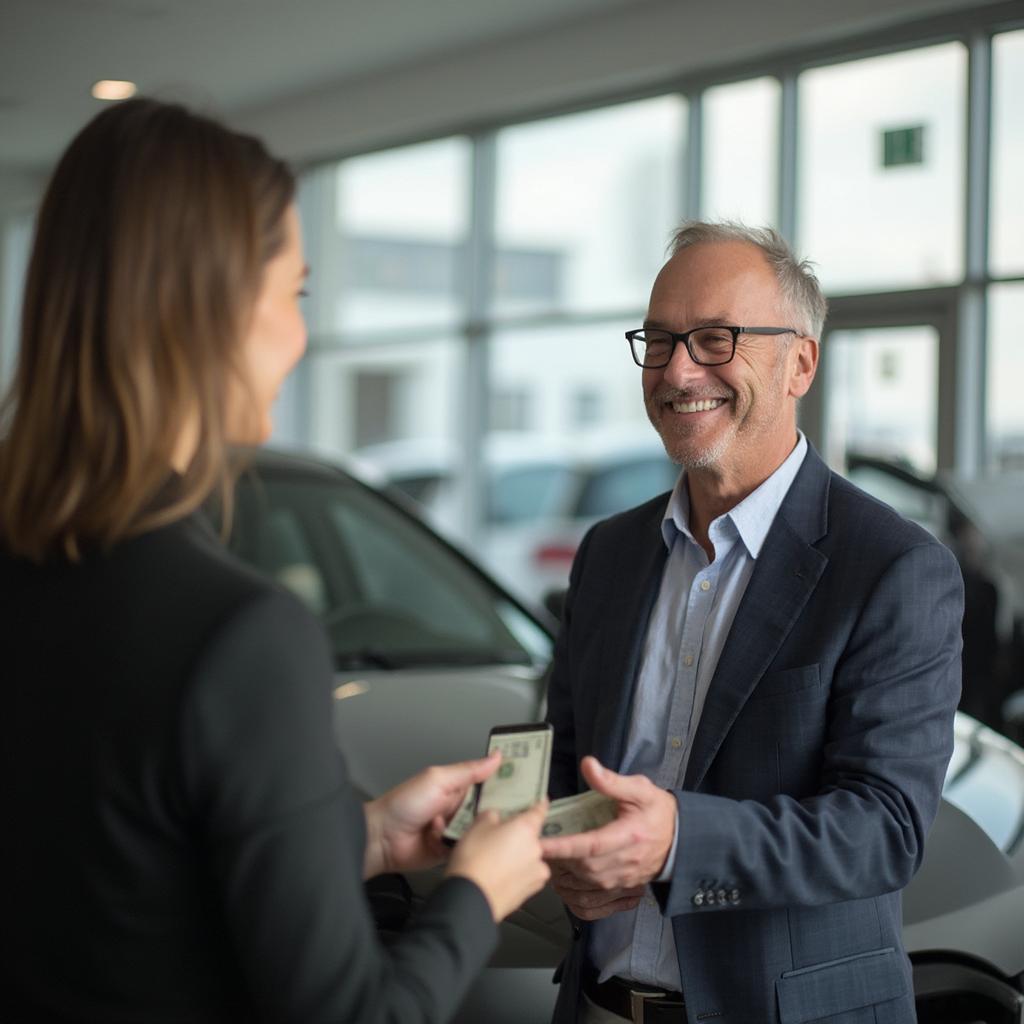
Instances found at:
x=404 y=826
x=628 y=852
x=587 y=902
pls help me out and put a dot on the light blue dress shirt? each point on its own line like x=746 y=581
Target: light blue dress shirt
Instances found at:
x=688 y=628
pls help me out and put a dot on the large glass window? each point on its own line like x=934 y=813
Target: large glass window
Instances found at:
x=740 y=154
x=583 y=208
x=401 y=221
x=574 y=459
x=1007 y=233
x=881 y=170
x=557 y=365
x=1005 y=410
x=395 y=408
x=881 y=395
x=585 y=205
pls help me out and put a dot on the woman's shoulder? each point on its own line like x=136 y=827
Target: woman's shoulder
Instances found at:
x=198 y=588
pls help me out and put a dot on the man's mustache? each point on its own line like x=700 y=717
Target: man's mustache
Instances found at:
x=699 y=394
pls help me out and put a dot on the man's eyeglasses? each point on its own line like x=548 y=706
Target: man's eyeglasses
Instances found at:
x=708 y=346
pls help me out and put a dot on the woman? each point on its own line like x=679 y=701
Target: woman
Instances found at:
x=181 y=842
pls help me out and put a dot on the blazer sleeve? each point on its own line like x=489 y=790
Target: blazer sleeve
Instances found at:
x=888 y=741
x=283 y=836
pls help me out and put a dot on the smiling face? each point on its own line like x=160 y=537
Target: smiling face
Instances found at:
x=275 y=340
x=737 y=420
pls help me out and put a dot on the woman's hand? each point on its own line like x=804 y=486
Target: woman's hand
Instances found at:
x=503 y=858
x=404 y=825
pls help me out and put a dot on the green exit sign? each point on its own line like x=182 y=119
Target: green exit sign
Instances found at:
x=902 y=147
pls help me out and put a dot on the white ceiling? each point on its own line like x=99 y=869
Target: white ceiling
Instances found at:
x=322 y=77
x=232 y=54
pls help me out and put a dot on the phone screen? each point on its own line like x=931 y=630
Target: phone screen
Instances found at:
x=522 y=777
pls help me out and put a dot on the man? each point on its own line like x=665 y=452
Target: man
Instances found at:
x=770 y=661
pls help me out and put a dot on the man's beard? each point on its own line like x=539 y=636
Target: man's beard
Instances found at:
x=676 y=447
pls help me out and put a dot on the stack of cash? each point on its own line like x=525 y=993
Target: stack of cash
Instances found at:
x=579 y=813
x=565 y=817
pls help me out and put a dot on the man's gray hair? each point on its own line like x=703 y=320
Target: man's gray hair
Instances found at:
x=798 y=282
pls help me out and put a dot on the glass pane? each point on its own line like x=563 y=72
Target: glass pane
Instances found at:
x=585 y=205
x=570 y=461
x=881 y=169
x=881 y=396
x=741 y=145
x=395 y=409
x=1007 y=233
x=401 y=220
x=1005 y=410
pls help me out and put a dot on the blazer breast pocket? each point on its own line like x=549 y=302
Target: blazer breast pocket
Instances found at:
x=786 y=682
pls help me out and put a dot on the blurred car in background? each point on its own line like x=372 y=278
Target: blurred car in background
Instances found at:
x=542 y=493
x=963 y=912
x=981 y=520
x=430 y=652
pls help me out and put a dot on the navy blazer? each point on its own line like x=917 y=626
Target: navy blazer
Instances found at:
x=818 y=762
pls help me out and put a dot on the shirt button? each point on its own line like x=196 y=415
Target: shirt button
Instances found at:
x=698 y=899
x=705 y=585
x=651 y=902
x=676 y=742
x=688 y=660
x=734 y=896
x=721 y=894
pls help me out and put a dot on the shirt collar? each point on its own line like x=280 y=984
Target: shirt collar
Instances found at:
x=752 y=517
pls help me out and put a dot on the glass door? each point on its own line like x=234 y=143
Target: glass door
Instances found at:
x=888 y=386
x=881 y=396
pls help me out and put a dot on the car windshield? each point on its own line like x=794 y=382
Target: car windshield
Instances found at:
x=615 y=488
x=524 y=493
x=389 y=593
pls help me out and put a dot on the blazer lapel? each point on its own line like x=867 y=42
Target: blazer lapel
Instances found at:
x=628 y=611
x=787 y=571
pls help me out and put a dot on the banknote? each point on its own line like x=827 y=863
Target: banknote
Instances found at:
x=520 y=781
x=580 y=813
x=565 y=817
x=462 y=818
x=522 y=777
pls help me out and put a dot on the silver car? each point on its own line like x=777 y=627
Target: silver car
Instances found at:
x=431 y=653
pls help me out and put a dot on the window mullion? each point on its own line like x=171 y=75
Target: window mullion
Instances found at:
x=480 y=255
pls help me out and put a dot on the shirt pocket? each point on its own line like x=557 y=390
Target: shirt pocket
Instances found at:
x=787 y=681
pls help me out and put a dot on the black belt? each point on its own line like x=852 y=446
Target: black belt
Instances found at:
x=640 y=1004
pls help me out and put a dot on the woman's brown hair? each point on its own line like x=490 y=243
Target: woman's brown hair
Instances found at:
x=147 y=259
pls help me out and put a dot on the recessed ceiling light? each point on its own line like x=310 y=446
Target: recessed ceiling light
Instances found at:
x=110 y=89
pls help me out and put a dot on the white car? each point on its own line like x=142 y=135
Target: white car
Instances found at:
x=431 y=652
x=541 y=494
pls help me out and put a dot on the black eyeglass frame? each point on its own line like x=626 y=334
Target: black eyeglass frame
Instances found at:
x=684 y=337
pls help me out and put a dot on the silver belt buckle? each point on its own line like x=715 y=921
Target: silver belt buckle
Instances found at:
x=636 y=1004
